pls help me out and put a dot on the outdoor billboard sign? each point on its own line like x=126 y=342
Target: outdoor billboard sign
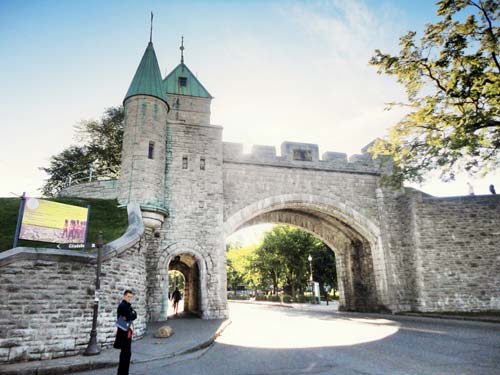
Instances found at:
x=48 y=221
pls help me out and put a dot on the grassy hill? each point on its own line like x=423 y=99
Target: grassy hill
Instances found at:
x=104 y=215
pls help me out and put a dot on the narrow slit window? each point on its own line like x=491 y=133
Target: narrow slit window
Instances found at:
x=184 y=162
x=151 y=150
x=183 y=81
x=202 y=164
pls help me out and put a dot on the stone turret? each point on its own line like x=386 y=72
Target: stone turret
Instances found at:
x=142 y=176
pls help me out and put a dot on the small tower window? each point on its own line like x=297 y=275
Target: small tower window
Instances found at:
x=151 y=150
x=202 y=164
x=183 y=81
x=184 y=162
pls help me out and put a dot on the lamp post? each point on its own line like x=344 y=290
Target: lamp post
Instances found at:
x=309 y=258
x=92 y=347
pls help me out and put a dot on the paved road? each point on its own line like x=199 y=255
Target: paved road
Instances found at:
x=280 y=341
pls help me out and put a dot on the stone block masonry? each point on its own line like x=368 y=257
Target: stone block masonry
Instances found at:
x=458 y=252
x=107 y=189
x=48 y=296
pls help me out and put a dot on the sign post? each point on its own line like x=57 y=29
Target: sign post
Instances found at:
x=93 y=348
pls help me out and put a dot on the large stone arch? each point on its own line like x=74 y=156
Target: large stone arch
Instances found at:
x=331 y=205
x=203 y=261
x=354 y=237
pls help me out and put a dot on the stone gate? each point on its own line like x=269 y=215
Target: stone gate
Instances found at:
x=396 y=250
x=187 y=191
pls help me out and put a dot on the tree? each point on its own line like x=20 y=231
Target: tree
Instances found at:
x=101 y=152
x=324 y=267
x=238 y=266
x=268 y=265
x=281 y=259
x=452 y=80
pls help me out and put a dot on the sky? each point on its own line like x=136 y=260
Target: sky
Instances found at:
x=279 y=71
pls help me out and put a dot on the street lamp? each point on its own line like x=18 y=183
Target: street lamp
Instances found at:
x=93 y=348
x=309 y=258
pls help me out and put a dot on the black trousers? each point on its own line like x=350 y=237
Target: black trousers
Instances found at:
x=125 y=354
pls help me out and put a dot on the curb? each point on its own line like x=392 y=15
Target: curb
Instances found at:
x=195 y=348
x=93 y=365
x=452 y=317
x=278 y=304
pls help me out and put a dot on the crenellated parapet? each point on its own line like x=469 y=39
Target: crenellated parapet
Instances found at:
x=306 y=156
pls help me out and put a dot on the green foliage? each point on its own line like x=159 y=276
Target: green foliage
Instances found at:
x=175 y=280
x=238 y=297
x=301 y=298
x=281 y=262
x=105 y=216
x=239 y=270
x=101 y=152
x=452 y=80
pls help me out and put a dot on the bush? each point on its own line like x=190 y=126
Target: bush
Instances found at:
x=302 y=298
x=274 y=298
x=261 y=297
x=241 y=297
x=287 y=298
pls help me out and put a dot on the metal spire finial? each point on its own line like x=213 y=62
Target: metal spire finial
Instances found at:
x=182 y=50
x=151 y=30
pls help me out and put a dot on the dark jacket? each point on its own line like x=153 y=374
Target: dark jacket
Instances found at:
x=123 y=338
x=176 y=296
x=125 y=309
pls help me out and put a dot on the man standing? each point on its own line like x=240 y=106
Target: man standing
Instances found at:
x=123 y=339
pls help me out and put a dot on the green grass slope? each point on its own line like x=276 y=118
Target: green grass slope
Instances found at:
x=105 y=216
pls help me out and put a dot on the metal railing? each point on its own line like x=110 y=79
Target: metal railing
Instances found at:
x=89 y=175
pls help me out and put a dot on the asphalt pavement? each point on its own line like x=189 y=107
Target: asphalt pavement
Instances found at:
x=268 y=339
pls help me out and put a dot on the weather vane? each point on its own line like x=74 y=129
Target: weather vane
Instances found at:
x=182 y=50
x=151 y=30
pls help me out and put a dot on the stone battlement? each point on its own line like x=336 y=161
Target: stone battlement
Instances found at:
x=302 y=155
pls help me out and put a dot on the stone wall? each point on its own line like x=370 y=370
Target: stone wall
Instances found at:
x=425 y=253
x=48 y=295
x=189 y=109
x=247 y=183
x=458 y=252
x=102 y=189
x=194 y=192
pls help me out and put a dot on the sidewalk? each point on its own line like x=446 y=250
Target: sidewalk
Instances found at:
x=189 y=335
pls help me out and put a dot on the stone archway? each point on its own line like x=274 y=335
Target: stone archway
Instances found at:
x=186 y=264
x=189 y=259
x=354 y=239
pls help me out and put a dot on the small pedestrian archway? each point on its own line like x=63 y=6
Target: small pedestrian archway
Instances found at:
x=186 y=265
x=352 y=237
x=189 y=262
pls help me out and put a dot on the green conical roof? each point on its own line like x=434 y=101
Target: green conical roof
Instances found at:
x=187 y=85
x=147 y=78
